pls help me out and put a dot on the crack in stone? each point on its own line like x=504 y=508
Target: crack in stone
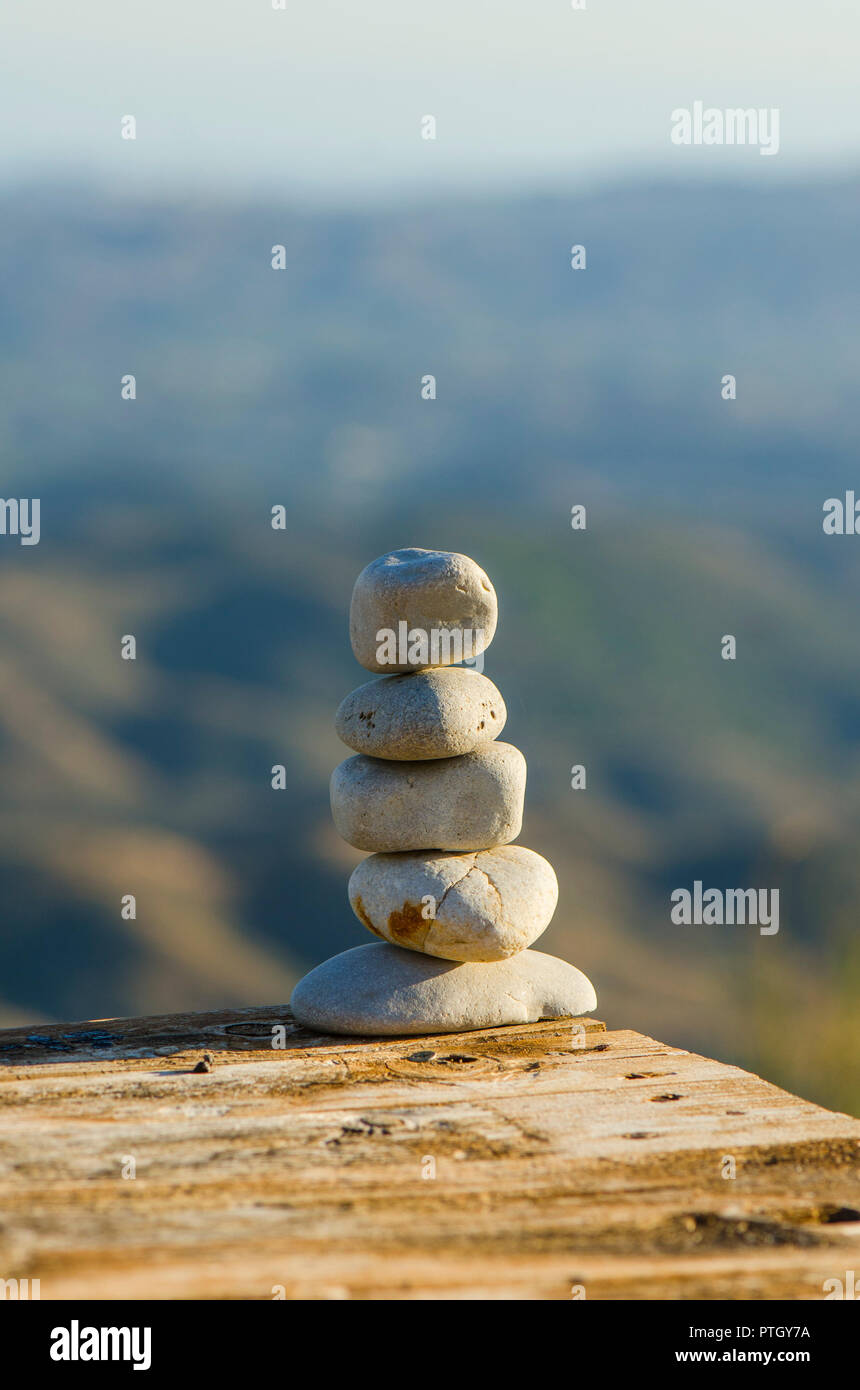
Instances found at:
x=502 y=919
x=456 y=883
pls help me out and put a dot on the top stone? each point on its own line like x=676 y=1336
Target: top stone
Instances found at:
x=412 y=609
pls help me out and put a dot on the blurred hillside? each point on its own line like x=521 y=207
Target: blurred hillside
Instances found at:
x=254 y=388
x=546 y=376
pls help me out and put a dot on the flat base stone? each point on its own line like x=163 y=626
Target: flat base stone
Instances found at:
x=380 y=990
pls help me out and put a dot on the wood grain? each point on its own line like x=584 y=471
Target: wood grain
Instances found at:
x=542 y=1161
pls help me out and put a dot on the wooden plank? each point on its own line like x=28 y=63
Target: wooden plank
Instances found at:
x=539 y=1161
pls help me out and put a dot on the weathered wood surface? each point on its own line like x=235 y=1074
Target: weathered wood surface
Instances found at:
x=566 y=1158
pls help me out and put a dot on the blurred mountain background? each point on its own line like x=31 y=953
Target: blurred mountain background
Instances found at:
x=302 y=388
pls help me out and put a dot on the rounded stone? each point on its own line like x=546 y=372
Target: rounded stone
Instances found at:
x=471 y=802
x=483 y=906
x=439 y=713
x=380 y=990
x=420 y=592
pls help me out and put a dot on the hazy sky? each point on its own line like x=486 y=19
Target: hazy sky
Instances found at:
x=329 y=94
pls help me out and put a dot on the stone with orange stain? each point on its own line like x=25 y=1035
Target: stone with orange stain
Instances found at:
x=483 y=906
x=358 y=909
x=407 y=926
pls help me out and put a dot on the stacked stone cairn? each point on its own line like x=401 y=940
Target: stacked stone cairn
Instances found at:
x=437 y=800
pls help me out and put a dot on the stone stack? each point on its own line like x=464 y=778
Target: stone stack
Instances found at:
x=437 y=800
